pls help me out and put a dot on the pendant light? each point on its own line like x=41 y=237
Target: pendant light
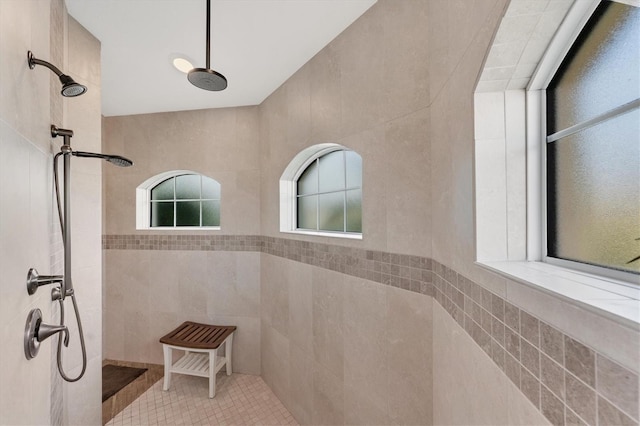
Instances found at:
x=206 y=78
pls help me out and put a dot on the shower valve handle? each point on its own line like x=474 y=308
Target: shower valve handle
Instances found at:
x=47 y=330
x=34 y=280
x=35 y=331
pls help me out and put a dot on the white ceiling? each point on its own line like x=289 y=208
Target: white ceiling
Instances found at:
x=255 y=44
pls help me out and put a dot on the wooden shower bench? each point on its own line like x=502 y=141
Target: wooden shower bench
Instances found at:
x=200 y=342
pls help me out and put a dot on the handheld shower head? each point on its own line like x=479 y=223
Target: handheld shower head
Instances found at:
x=69 y=86
x=113 y=159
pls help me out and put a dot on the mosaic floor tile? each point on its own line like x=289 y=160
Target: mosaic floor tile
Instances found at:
x=240 y=400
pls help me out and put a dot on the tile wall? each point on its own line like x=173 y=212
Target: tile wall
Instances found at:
x=346 y=326
x=31 y=392
x=219 y=279
x=566 y=380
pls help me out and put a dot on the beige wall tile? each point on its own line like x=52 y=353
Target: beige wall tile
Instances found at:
x=366 y=353
x=328 y=320
x=406 y=51
x=328 y=397
x=409 y=336
x=408 y=196
x=457 y=359
x=619 y=385
x=610 y=415
x=275 y=365
x=326 y=109
x=300 y=306
x=580 y=360
x=301 y=384
x=521 y=411
x=551 y=407
x=361 y=409
x=581 y=399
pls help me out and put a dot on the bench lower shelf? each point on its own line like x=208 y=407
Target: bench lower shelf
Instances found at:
x=197 y=364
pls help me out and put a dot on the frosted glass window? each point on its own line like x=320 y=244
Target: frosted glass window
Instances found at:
x=210 y=189
x=308 y=180
x=331 y=175
x=354 y=211
x=308 y=212
x=331 y=211
x=594 y=189
x=601 y=70
x=186 y=200
x=161 y=214
x=164 y=190
x=188 y=187
x=593 y=145
x=354 y=169
x=329 y=193
x=211 y=213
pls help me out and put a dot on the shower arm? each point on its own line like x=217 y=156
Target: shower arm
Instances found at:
x=33 y=61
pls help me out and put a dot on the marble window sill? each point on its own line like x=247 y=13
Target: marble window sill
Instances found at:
x=608 y=297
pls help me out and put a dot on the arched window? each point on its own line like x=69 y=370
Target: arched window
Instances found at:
x=321 y=192
x=178 y=199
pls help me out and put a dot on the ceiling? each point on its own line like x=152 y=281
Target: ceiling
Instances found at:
x=256 y=44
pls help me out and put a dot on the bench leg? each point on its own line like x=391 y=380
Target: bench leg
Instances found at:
x=212 y=372
x=227 y=353
x=167 y=367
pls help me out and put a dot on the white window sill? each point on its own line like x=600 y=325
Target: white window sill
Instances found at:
x=614 y=299
x=180 y=228
x=350 y=236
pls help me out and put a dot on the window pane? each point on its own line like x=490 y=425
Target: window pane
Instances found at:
x=593 y=180
x=162 y=214
x=601 y=70
x=211 y=213
x=188 y=187
x=163 y=190
x=332 y=171
x=331 y=212
x=354 y=170
x=210 y=189
x=307 y=212
x=308 y=180
x=354 y=211
x=188 y=213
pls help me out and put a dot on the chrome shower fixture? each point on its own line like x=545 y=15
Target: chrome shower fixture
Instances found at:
x=69 y=86
x=35 y=330
x=116 y=160
x=206 y=78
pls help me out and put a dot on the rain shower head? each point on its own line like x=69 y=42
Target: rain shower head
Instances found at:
x=113 y=159
x=206 y=78
x=69 y=86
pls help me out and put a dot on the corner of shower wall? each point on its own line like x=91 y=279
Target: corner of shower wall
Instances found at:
x=57 y=22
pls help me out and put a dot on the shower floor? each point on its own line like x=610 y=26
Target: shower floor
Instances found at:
x=240 y=400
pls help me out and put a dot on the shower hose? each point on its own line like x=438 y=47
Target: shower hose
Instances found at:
x=73 y=296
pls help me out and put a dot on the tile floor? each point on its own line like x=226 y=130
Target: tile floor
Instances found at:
x=240 y=400
x=118 y=402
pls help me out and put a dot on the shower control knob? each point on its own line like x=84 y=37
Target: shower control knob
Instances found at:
x=36 y=331
x=35 y=280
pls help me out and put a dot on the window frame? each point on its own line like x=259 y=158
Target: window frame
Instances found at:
x=143 y=203
x=576 y=20
x=288 y=191
x=510 y=131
